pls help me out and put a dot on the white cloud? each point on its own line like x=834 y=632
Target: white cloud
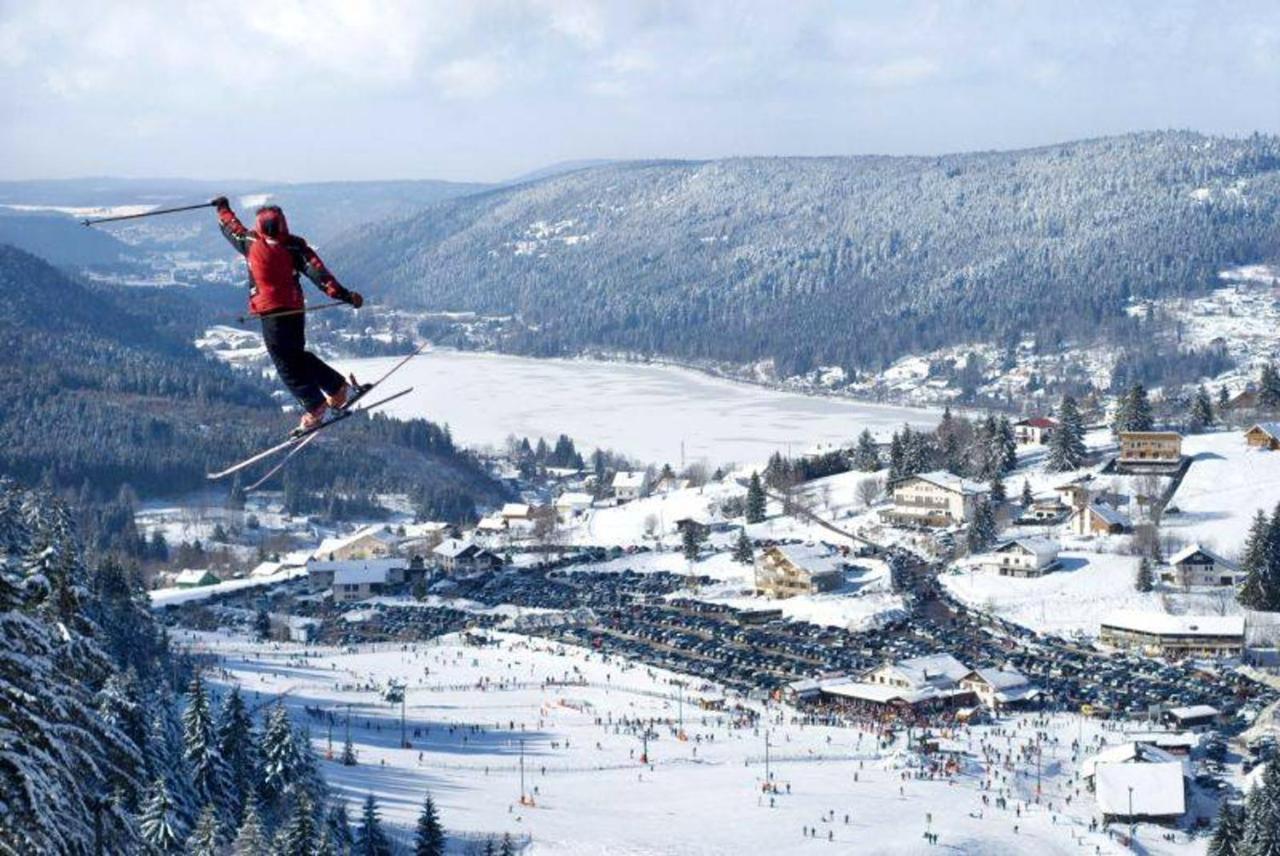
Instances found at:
x=902 y=72
x=475 y=77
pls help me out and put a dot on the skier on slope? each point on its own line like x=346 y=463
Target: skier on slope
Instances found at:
x=276 y=258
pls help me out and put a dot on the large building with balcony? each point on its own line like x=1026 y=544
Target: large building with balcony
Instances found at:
x=935 y=498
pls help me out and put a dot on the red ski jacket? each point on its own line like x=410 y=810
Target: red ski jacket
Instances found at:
x=275 y=259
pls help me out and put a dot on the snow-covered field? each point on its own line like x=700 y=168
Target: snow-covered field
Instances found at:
x=646 y=411
x=470 y=709
x=1225 y=486
x=1073 y=600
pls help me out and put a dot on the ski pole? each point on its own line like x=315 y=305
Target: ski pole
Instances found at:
x=252 y=316
x=145 y=214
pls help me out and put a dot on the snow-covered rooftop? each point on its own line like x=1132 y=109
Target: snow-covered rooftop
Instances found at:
x=633 y=479
x=359 y=573
x=953 y=483
x=1002 y=679
x=191 y=576
x=1180 y=625
x=1141 y=790
x=332 y=545
x=814 y=558
x=1189 y=551
x=1044 y=549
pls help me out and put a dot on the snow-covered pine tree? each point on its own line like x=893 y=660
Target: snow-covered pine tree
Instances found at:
x=371 y=840
x=299 y=836
x=1144 y=580
x=429 y=836
x=743 y=552
x=251 y=838
x=508 y=847
x=166 y=755
x=1066 y=444
x=1008 y=444
x=349 y=758
x=199 y=737
x=691 y=542
x=755 y=500
x=866 y=457
x=1254 y=593
x=1269 y=388
x=1134 y=413
x=1201 y=411
x=160 y=822
x=998 y=493
x=982 y=529
x=1228 y=832
x=280 y=761
x=895 y=457
x=1262 y=814
x=239 y=751
x=338 y=825
x=1027 y=498
x=204 y=838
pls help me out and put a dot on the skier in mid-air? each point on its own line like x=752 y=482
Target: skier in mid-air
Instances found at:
x=276 y=258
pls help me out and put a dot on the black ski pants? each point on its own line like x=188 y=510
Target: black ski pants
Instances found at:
x=307 y=376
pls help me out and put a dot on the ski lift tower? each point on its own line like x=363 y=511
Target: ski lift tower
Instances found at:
x=395 y=694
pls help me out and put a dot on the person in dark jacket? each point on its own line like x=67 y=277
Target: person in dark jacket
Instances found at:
x=276 y=259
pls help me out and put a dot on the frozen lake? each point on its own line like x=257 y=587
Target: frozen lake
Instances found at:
x=645 y=411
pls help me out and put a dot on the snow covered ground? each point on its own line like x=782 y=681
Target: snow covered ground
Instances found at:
x=1073 y=600
x=1225 y=486
x=471 y=709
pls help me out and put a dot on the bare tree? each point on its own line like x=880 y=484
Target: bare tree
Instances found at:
x=869 y=491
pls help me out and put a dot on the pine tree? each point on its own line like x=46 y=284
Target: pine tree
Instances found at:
x=338 y=826
x=1228 y=832
x=997 y=488
x=1269 y=388
x=1255 y=592
x=755 y=500
x=370 y=839
x=251 y=839
x=982 y=529
x=159 y=822
x=896 y=470
x=239 y=751
x=208 y=776
x=349 y=758
x=1224 y=401
x=691 y=541
x=1134 y=413
x=508 y=847
x=262 y=625
x=429 y=839
x=298 y=836
x=1028 y=498
x=1066 y=444
x=1262 y=814
x=1143 y=580
x=1008 y=445
x=866 y=457
x=743 y=552
x=203 y=840
x=280 y=759
x=1201 y=411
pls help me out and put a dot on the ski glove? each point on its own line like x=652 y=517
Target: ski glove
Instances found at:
x=337 y=292
x=220 y=203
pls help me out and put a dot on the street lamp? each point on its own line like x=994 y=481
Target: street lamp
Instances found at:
x=1131 y=832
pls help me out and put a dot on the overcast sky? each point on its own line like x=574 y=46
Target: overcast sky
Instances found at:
x=469 y=89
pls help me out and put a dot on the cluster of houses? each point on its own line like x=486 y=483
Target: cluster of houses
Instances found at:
x=919 y=685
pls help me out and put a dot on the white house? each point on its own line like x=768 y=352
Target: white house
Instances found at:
x=1023 y=557
x=572 y=505
x=359 y=581
x=458 y=556
x=1035 y=431
x=368 y=542
x=937 y=670
x=1200 y=566
x=322 y=574
x=999 y=688
x=514 y=511
x=1129 y=792
x=628 y=486
x=935 y=498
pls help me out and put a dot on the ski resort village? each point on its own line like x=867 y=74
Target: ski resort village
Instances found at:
x=1048 y=634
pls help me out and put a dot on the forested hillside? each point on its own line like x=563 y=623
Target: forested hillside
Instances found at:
x=104 y=396
x=837 y=261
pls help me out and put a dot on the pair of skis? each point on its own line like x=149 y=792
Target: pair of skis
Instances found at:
x=299 y=440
